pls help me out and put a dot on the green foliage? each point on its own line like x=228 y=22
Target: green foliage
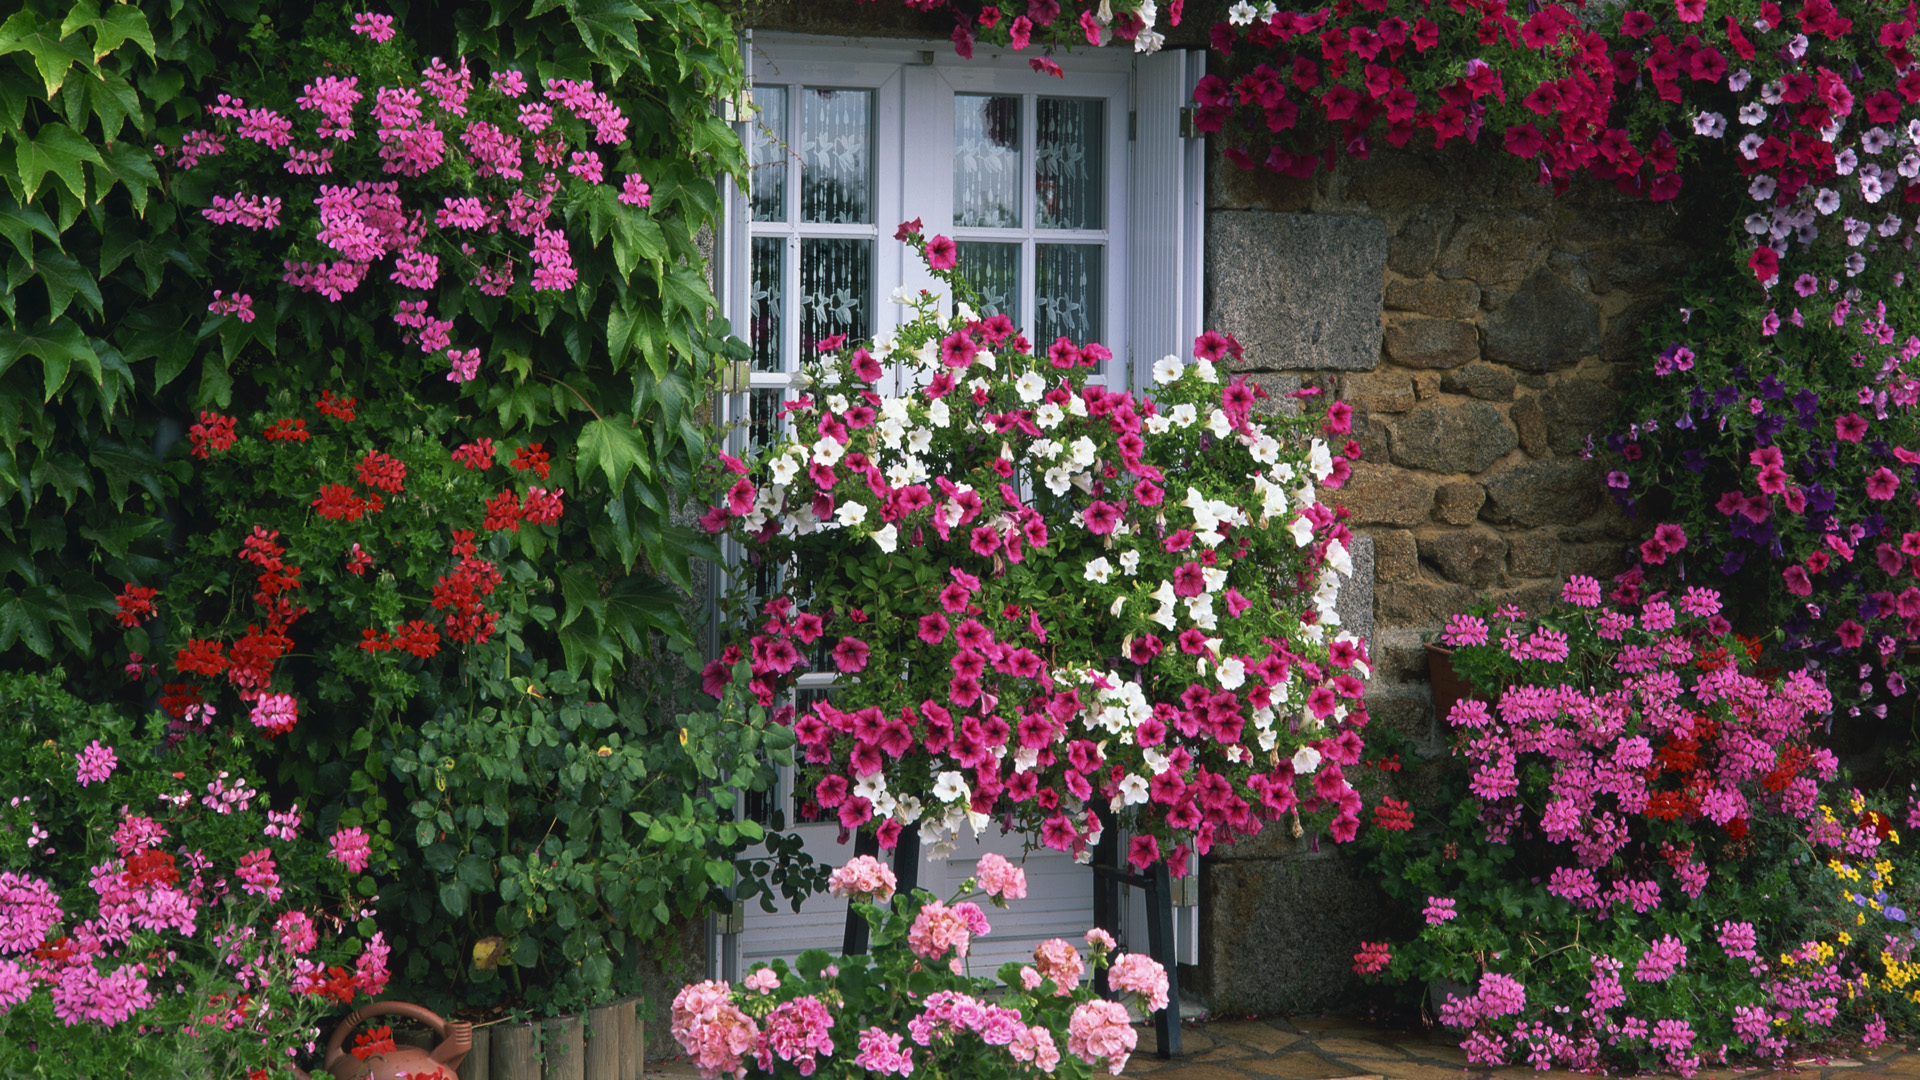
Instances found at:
x=550 y=833
x=108 y=352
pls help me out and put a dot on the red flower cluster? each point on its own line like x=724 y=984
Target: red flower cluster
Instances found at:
x=286 y=430
x=136 y=603
x=503 y=512
x=477 y=454
x=377 y=470
x=150 y=866
x=338 y=501
x=415 y=637
x=460 y=595
x=340 y=408
x=533 y=457
x=213 y=432
x=373 y=1041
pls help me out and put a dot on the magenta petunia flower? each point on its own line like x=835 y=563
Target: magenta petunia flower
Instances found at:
x=1882 y=484
x=942 y=253
x=850 y=655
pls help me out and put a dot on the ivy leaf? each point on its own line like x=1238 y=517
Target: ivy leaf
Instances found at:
x=604 y=22
x=59 y=346
x=64 y=278
x=57 y=149
x=615 y=447
x=19 y=223
x=112 y=99
x=18 y=623
x=130 y=166
x=25 y=32
x=119 y=24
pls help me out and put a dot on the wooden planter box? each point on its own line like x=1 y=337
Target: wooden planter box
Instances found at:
x=1448 y=688
x=608 y=1043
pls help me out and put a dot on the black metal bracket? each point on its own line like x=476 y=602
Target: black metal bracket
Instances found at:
x=906 y=872
x=1108 y=876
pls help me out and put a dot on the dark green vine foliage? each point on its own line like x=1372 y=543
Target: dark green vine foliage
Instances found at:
x=479 y=768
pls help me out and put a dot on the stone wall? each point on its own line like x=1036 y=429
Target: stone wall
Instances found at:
x=1479 y=327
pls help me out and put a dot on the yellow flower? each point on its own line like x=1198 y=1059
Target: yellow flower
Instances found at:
x=1823 y=951
x=1844 y=938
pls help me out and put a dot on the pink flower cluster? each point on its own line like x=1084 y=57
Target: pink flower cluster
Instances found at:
x=1143 y=975
x=796 y=1032
x=713 y=1030
x=863 y=878
x=939 y=930
x=1000 y=878
x=252 y=211
x=1102 y=1031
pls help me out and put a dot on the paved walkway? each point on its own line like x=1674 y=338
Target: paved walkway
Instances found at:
x=1339 y=1048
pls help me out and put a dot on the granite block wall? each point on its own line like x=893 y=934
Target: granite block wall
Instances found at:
x=1479 y=326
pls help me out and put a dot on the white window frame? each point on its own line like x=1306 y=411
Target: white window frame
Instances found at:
x=1155 y=189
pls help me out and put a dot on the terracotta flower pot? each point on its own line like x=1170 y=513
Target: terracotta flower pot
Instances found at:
x=1448 y=687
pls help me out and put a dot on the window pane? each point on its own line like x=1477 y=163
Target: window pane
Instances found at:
x=993 y=270
x=1068 y=292
x=986 y=161
x=836 y=280
x=834 y=129
x=1069 y=153
x=769 y=178
x=763 y=417
x=766 y=302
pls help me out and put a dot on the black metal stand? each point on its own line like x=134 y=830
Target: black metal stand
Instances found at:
x=1108 y=875
x=906 y=872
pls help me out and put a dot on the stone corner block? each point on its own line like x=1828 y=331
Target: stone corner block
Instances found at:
x=1300 y=291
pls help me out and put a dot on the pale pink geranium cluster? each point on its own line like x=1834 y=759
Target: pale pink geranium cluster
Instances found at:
x=1102 y=1030
x=351 y=848
x=939 y=929
x=1060 y=961
x=1143 y=975
x=880 y=1052
x=863 y=878
x=96 y=763
x=1001 y=879
x=713 y=1030
x=795 y=1032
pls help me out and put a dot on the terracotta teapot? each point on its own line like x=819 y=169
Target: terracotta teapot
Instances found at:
x=410 y=1062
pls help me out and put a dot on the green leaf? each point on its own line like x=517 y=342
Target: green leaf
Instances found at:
x=59 y=346
x=453 y=898
x=116 y=26
x=26 y=32
x=63 y=277
x=130 y=166
x=66 y=473
x=19 y=223
x=614 y=447
x=604 y=23
x=21 y=623
x=57 y=149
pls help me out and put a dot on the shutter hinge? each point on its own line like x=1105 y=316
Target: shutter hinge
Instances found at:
x=1188 y=117
x=738 y=108
x=1186 y=891
x=1133 y=126
x=735 y=377
x=733 y=921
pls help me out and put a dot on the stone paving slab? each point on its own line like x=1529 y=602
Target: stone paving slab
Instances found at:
x=1346 y=1048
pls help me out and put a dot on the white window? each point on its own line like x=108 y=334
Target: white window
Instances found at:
x=1076 y=205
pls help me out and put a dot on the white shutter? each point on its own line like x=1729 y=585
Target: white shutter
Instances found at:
x=1167 y=212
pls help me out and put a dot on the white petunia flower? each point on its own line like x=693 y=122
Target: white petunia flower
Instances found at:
x=850 y=514
x=1129 y=562
x=951 y=787
x=1131 y=791
x=1232 y=673
x=783 y=469
x=1710 y=124
x=1306 y=761
x=1168 y=369
x=1158 y=424
x=1738 y=81
x=1058 y=480
x=1048 y=416
x=1183 y=415
x=1302 y=530
x=1099 y=570
x=888 y=538
x=1242 y=13
x=1220 y=424
x=1030 y=387
x=938 y=414
x=1762 y=187
x=828 y=452
x=1753 y=113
